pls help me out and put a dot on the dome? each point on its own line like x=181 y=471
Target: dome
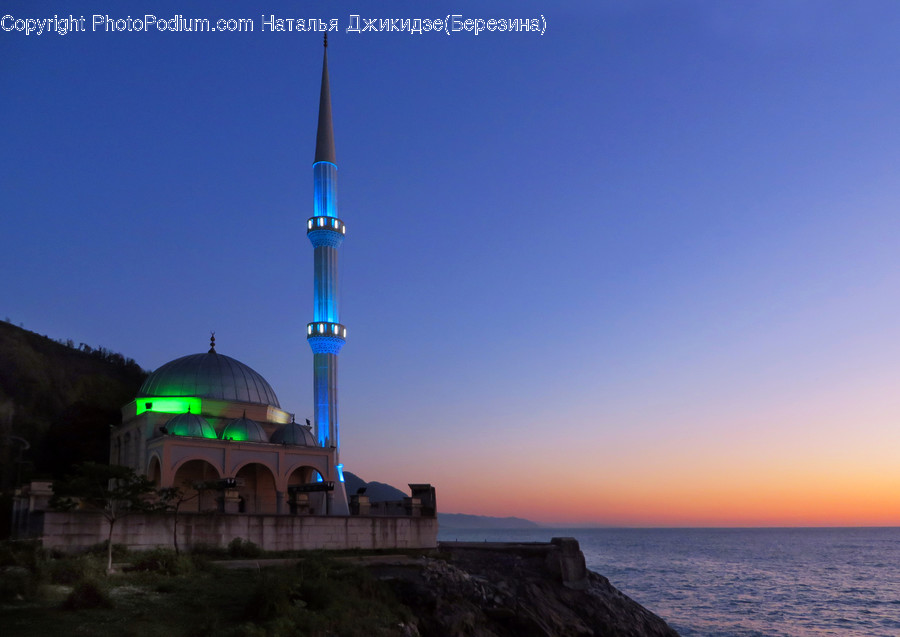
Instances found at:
x=244 y=429
x=190 y=425
x=209 y=375
x=294 y=434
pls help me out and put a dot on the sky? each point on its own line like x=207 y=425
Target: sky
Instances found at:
x=637 y=269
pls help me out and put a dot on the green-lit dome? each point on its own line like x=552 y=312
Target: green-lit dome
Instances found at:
x=294 y=434
x=209 y=375
x=244 y=429
x=190 y=425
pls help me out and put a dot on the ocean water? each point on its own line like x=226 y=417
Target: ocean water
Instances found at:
x=745 y=582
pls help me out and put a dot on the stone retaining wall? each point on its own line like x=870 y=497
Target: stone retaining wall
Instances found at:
x=72 y=531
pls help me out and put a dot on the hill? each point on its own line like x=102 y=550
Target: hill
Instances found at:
x=377 y=491
x=61 y=399
x=465 y=521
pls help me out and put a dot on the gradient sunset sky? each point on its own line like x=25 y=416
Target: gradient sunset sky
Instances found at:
x=640 y=270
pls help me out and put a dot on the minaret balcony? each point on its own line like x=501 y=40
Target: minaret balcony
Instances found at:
x=326 y=338
x=325 y=231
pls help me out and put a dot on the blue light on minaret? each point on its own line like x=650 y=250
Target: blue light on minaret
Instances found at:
x=326 y=335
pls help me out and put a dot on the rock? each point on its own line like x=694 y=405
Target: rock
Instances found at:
x=533 y=590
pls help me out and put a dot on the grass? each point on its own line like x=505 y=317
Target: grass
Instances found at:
x=161 y=594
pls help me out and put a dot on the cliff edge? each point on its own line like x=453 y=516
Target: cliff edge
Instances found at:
x=525 y=589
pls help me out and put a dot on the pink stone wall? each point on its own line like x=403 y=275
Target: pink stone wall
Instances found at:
x=76 y=530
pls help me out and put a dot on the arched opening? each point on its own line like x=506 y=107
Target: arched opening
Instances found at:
x=256 y=487
x=187 y=478
x=154 y=473
x=301 y=502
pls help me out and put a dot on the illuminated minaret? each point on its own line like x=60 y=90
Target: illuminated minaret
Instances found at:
x=326 y=335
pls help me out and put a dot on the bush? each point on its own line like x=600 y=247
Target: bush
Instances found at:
x=269 y=598
x=119 y=552
x=27 y=553
x=210 y=551
x=163 y=561
x=239 y=547
x=323 y=596
x=88 y=593
x=72 y=569
x=16 y=583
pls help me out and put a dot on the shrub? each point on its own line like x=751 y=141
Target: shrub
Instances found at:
x=27 y=553
x=88 y=593
x=163 y=561
x=239 y=547
x=210 y=551
x=119 y=551
x=72 y=569
x=16 y=583
x=269 y=598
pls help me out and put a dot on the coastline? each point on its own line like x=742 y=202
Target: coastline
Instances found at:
x=499 y=588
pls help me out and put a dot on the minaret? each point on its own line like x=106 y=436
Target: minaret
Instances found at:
x=326 y=335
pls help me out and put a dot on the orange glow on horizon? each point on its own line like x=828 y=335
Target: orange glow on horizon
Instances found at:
x=761 y=471
x=836 y=502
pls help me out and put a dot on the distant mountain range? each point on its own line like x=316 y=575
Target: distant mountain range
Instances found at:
x=381 y=492
x=465 y=521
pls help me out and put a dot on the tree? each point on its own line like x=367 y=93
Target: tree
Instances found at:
x=113 y=490
x=171 y=499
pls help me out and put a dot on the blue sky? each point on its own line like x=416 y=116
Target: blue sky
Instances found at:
x=658 y=240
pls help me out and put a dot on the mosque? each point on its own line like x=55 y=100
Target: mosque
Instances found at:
x=213 y=427
x=210 y=419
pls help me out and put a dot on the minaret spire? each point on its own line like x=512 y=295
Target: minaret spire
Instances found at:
x=325 y=132
x=326 y=334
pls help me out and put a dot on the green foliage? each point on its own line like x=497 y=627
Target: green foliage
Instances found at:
x=209 y=551
x=241 y=548
x=119 y=551
x=27 y=568
x=322 y=596
x=72 y=569
x=22 y=570
x=271 y=597
x=25 y=553
x=61 y=398
x=163 y=561
x=16 y=583
x=88 y=593
x=113 y=490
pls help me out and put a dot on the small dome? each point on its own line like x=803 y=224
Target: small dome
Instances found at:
x=243 y=429
x=190 y=425
x=294 y=434
x=210 y=375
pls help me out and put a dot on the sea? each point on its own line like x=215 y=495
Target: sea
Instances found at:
x=791 y=582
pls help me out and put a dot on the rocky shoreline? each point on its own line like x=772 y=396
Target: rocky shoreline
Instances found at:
x=523 y=589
